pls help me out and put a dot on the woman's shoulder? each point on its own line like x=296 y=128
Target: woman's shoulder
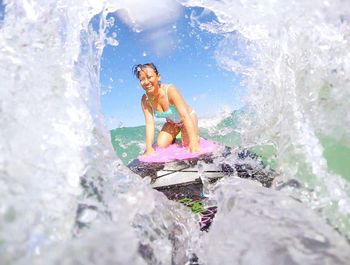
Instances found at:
x=144 y=99
x=169 y=87
x=172 y=93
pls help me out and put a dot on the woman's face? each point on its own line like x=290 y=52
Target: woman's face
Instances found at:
x=149 y=80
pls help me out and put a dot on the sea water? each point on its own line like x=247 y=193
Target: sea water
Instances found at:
x=67 y=198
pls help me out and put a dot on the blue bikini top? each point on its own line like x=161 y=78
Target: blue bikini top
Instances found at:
x=171 y=114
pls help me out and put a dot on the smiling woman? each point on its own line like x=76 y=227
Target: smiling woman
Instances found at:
x=165 y=101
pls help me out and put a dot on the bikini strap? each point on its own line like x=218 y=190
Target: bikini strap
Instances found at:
x=166 y=93
x=149 y=103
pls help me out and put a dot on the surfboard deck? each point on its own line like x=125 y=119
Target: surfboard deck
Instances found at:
x=177 y=151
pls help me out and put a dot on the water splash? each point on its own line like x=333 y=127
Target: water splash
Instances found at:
x=256 y=226
x=59 y=172
x=294 y=59
x=62 y=187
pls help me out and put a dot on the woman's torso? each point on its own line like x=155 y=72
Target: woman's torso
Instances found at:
x=163 y=107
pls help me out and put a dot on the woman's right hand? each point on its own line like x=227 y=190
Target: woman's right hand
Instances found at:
x=194 y=147
x=149 y=151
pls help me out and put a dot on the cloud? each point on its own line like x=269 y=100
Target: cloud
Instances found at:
x=143 y=14
x=155 y=18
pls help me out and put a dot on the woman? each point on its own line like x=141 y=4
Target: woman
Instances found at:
x=165 y=101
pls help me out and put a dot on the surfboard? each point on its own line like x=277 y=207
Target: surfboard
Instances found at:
x=180 y=174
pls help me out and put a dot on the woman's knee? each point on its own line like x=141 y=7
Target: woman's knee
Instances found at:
x=164 y=139
x=162 y=143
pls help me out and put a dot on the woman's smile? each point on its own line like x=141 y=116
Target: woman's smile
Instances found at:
x=149 y=80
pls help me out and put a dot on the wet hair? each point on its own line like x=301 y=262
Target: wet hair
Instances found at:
x=139 y=67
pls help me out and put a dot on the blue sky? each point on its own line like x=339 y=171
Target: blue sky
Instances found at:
x=2 y=10
x=184 y=55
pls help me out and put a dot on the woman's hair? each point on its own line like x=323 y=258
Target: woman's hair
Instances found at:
x=139 y=67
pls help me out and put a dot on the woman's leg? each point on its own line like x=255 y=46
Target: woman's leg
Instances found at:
x=167 y=134
x=184 y=134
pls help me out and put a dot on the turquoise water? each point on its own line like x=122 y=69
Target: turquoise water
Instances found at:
x=128 y=143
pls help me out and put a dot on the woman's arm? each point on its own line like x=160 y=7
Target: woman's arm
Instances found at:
x=149 y=121
x=182 y=108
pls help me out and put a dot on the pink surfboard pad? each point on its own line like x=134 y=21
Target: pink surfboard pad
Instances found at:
x=177 y=152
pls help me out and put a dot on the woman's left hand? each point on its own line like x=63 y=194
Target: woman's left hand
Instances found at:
x=194 y=147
